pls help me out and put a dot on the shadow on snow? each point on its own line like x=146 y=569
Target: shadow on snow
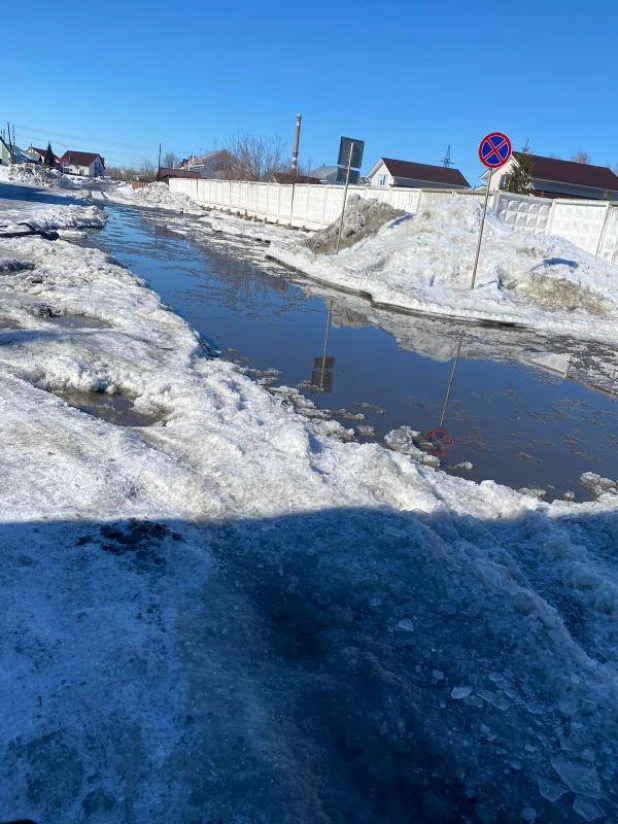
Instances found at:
x=340 y=666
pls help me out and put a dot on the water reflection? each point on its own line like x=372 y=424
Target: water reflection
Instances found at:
x=323 y=374
x=517 y=407
x=439 y=440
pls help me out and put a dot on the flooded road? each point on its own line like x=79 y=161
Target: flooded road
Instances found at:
x=521 y=409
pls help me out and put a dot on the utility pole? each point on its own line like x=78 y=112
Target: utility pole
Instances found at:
x=8 y=134
x=159 y=156
x=299 y=117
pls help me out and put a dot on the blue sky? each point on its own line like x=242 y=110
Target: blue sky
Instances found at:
x=409 y=78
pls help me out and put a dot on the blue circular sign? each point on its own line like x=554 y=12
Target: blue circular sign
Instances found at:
x=495 y=150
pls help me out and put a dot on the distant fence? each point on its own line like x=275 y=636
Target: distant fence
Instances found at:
x=590 y=224
x=304 y=206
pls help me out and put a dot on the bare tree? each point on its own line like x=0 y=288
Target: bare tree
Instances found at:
x=255 y=157
x=147 y=170
x=170 y=160
x=581 y=157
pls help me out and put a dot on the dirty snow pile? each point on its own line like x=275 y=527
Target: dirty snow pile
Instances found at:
x=363 y=218
x=229 y=613
x=424 y=263
x=155 y=196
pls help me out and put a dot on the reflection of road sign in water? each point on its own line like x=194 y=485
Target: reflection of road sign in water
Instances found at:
x=323 y=374
x=495 y=149
x=439 y=441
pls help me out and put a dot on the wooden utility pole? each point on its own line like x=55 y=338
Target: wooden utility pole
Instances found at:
x=159 y=156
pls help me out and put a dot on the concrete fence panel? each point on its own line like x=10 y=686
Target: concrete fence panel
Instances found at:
x=580 y=222
x=527 y=214
x=592 y=225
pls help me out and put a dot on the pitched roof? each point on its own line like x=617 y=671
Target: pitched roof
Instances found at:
x=323 y=171
x=79 y=158
x=570 y=172
x=290 y=177
x=164 y=172
x=42 y=152
x=423 y=171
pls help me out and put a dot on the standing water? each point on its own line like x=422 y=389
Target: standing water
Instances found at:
x=521 y=409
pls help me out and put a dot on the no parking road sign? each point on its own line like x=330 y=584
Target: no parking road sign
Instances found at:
x=495 y=150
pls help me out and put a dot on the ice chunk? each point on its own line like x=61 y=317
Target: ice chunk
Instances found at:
x=588 y=809
x=458 y=693
x=597 y=484
x=579 y=779
x=406 y=624
x=551 y=790
x=467 y=465
x=406 y=440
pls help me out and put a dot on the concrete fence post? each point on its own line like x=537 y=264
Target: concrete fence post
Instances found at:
x=603 y=231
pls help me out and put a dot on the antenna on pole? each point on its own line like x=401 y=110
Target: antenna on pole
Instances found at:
x=447 y=162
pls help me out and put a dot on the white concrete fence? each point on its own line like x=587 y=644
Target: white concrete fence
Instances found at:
x=590 y=224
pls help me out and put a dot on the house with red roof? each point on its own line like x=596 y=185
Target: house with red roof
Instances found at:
x=403 y=173
x=82 y=163
x=39 y=155
x=554 y=178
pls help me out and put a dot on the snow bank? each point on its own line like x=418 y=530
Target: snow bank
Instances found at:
x=155 y=196
x=233 y=615
x=424 y=264
x=48 y=218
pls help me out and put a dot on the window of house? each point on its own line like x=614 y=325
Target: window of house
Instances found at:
x=381 y=180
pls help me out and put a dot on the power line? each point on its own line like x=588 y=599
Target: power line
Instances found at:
x=116 y=146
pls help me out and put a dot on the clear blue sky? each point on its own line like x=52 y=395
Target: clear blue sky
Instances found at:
x=408 y=77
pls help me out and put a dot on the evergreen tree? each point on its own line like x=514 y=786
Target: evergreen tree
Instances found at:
x=519 y=178
x=50 y=160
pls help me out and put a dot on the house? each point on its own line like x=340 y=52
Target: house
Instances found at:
x=553 y=178
x=164 y=175
x=82 y=163
x=325 y=174
x=403 y=173
x=330 y=175
x=211 y=165
x=39 y=155
x=10 y=153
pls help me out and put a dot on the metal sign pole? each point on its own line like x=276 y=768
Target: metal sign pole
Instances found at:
x=345 y=195
x=478 y=245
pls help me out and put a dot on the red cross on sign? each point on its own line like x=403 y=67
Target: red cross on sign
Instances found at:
x=495 y=149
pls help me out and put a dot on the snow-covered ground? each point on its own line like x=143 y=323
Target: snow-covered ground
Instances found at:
x=232 y=614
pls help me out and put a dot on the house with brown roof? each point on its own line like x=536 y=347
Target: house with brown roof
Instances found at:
x=164 y=174
x=39 y=155
x=82 y=163
x=553 y=178
x=403 y=173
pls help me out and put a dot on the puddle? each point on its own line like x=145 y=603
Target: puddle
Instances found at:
x=518 y=408
x=115 y=409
